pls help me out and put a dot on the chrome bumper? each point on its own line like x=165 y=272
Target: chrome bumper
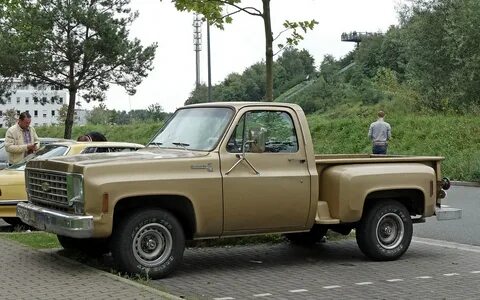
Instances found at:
x=444 y=213
x=54 y=221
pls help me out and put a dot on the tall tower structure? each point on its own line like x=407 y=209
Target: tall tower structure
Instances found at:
x=197 y=44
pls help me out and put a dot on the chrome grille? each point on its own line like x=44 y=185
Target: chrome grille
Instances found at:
x=47 y=189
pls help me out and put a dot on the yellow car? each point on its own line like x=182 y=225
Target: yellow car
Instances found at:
x=12 y=179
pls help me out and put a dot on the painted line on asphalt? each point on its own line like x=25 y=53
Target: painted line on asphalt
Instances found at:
x=364 y=283
x=393 y=280
x=298 y=291
x=451 y=274
x=331 y=287
x=445 y=244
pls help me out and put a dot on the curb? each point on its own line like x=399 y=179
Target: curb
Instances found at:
x=466 y=183
x=161 y=294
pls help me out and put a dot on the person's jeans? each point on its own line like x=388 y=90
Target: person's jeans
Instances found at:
x=379 y=149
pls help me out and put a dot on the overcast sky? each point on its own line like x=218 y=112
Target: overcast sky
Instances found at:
x=240 y=45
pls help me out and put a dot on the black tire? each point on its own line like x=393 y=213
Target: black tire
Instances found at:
x=385 y=231
x=14 y=221
x=90 y=246
x=308 y=238
x=148 y=242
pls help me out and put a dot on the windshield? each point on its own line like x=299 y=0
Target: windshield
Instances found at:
x=45 y=152
x=197 y=128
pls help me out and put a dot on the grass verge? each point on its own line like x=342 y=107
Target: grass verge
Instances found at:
x=36 y=240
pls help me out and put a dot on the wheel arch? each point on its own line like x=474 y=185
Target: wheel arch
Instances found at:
x=412 y=199
x=181 y=207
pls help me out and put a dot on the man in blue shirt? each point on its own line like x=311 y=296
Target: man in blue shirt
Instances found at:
x=379 y=133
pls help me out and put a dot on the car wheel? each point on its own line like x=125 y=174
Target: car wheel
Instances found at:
x=385 y=231
x=90 y=246
x=149 y=242
x=307 y=238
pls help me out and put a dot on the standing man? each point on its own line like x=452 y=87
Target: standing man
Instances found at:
x=379 y=133
x=21 y=139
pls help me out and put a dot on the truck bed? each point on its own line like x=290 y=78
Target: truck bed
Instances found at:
x=336 y=159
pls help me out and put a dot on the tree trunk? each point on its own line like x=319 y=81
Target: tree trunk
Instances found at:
x=70 y=114
x=268 y=51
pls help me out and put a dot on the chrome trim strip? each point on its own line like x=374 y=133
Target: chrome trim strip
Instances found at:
x=56 y=222
x=11 y=202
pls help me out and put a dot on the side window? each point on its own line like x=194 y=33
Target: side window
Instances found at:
x=264 y=132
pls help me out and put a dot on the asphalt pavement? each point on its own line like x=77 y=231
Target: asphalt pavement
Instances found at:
x=430 y=269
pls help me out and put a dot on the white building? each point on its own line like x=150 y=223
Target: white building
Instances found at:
x=42 y=102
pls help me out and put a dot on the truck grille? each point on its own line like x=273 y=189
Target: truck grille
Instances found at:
x=48 y=189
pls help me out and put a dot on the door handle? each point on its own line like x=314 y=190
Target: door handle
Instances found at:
x=300 y=160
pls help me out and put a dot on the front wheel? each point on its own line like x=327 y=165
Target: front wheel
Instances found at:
x=90 y=246
x=149 y=242
x=385 y=231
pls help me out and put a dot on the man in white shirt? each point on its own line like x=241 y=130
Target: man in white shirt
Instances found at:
x=379 y=133
x=21 y=139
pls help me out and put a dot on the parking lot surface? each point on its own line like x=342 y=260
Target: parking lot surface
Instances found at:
x=332 y=270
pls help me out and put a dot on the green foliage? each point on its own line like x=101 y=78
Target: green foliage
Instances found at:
x=36 y=240
x=75 y=45
x=10 y=117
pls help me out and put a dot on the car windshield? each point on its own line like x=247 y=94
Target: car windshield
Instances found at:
x=196 y=128
x=47 y=151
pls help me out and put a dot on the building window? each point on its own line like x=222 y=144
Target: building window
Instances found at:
x=9 y=100
x=44 y=100
x=1 y=113
x=52 y=100
x=60 y=100
x=18 y=112
x=53 y=113
x=35 y=113
x=18 y=100
x=35 y=100
x=44 y=113
x=27 y=101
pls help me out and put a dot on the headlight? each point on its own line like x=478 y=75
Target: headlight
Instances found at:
x=75 y=193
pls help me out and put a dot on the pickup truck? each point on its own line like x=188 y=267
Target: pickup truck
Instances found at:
x=230 y=169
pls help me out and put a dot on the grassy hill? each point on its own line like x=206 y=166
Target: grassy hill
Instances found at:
x=457 y=138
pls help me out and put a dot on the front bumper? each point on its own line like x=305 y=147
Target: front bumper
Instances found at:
x=54 y=221
x=444 y=213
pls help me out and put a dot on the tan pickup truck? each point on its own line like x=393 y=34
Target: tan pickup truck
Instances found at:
x=230 y=169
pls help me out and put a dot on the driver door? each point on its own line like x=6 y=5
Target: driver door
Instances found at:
x=266 y=181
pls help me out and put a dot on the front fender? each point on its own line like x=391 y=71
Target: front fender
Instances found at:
x=346 y=187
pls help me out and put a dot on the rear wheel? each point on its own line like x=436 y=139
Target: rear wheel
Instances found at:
x=149 y=242
x=307 y=238
x=385 y=231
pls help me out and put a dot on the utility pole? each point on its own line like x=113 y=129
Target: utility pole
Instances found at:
x=197 y=44
x=209 y=64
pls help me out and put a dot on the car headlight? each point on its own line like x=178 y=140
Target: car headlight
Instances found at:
x=75 y=193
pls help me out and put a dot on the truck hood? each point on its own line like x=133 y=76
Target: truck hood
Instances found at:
x=146 y=154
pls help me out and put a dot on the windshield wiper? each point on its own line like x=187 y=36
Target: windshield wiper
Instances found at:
x=184 y=145
x=158 y=144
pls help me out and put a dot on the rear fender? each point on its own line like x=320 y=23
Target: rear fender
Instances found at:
x=346 y=188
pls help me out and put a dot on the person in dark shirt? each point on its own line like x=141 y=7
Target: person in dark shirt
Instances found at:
x=93 y=136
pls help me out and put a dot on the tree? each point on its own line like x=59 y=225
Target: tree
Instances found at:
x=62 y=114
x=81 y=46
x=212 y=10
x=99 y=115
x=10 y=117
